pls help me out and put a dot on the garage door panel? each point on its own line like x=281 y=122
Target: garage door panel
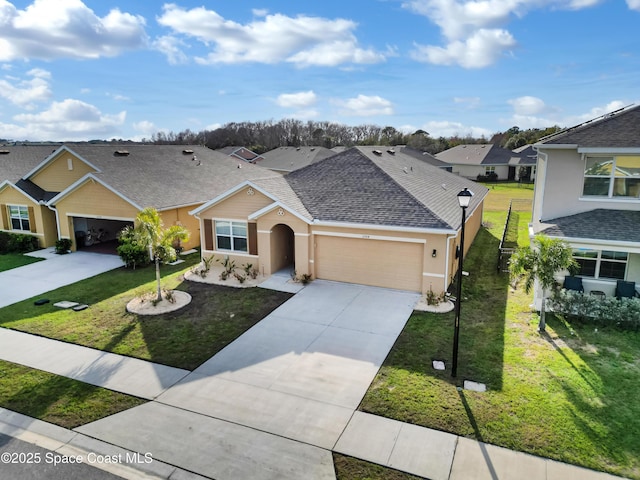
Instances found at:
x=379 y=263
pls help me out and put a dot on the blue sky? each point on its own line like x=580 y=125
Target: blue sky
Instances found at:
x=80 y=70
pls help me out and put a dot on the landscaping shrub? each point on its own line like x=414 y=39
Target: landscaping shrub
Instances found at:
x=63 y=246
x=623 y=313
x=132 y=253
x=18 y=242
x=491 y=177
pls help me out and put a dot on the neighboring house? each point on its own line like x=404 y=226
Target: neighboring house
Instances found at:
x=366 y=215
x=241 y=153
x=66 y=191
x=288 y=159
x=588 y=193
x=426 y=157
x=470 y=161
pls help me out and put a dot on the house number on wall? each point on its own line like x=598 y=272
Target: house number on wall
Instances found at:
x=366 y=236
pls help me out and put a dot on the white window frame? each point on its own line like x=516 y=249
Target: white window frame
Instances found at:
x=489 y=169
x=23 y=215
x=231 y=235
x=599 y=260
x=611 y=178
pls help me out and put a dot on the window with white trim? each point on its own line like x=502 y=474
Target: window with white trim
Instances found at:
x=612 y=177
x=605 y=264
x=231 y=236
x=19 y=218
x=489 y=169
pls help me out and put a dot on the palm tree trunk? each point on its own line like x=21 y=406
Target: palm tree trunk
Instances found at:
x=159 y=292
x=542 y=324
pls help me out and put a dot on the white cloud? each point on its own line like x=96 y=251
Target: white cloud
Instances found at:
x=634 y=4
x=365 y=106
x=172 y=48
x=274 y=38
x=527 y=113
x=49 y=29
x=474 y=28
x=445 y=128
x=297 y=100
x=304 y=114
x=478 y=51
x=25 y=93
x=67 y=120
x=260 y=12
x=527 y=105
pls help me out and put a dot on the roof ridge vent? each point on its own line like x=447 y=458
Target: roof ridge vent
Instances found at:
x=377 y=152
x=121 y=153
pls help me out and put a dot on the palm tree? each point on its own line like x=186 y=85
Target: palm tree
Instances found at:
x=158 y=240
x=548 y=257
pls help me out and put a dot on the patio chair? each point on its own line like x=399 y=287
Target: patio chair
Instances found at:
x=626 y=289
x=573 y=283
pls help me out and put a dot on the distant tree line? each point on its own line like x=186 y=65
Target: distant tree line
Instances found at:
x=267 y=135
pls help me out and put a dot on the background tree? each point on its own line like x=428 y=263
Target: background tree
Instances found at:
x=159 y=241
x=547 y=257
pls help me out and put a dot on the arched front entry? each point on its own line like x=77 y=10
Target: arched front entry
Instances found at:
x=282 y=248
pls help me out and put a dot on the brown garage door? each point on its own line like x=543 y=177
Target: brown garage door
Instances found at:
x=380 y=263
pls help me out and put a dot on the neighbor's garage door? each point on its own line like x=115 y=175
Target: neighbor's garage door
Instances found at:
x=380 y=263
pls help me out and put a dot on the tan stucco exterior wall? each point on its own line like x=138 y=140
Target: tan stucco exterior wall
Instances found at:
x=56 y=175
x=180 y=216
x=472 y=226
x=95 y=201
x=45 y=222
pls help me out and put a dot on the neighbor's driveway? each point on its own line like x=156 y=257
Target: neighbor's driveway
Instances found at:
x=54 y=272
x=263 y=405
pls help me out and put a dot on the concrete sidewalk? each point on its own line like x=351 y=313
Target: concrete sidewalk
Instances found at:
x=116 y=372
x=277 y=401
x=54 y=272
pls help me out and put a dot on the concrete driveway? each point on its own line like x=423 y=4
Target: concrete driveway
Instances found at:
x=276 y=400
x=54 y=272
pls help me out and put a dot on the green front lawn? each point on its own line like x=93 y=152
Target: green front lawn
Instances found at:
x=570 y=395
x=185 y=339
x=59 y=400
x=14 y=260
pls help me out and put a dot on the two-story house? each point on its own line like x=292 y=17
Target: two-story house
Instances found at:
x=588 y=193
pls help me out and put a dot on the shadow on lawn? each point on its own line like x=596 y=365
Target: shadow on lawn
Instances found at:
x=429 y=336
x=604 y=402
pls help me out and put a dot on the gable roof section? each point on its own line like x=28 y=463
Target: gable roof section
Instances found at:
x=51 y=157
x=8 y=184
x=619 y=129
x=89 y=177
x=168 y=176
x=600 y=224
x=22 y=158
x=288 y=159
x=480 y=154
x=356 y=186
x=435 y=188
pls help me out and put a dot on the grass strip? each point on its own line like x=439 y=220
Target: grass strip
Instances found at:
x=58 y=400
x=15 y=260
x=186 y=338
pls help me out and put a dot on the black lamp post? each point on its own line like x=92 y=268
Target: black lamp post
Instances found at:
x=464 y=198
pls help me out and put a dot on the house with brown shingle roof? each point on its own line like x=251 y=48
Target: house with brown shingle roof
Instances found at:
x=476 y=160
x=288 y=159
x=588 y=194
x=367 y=215
x=65 y=191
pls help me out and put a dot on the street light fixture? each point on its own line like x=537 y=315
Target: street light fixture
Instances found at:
x=464 y=199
